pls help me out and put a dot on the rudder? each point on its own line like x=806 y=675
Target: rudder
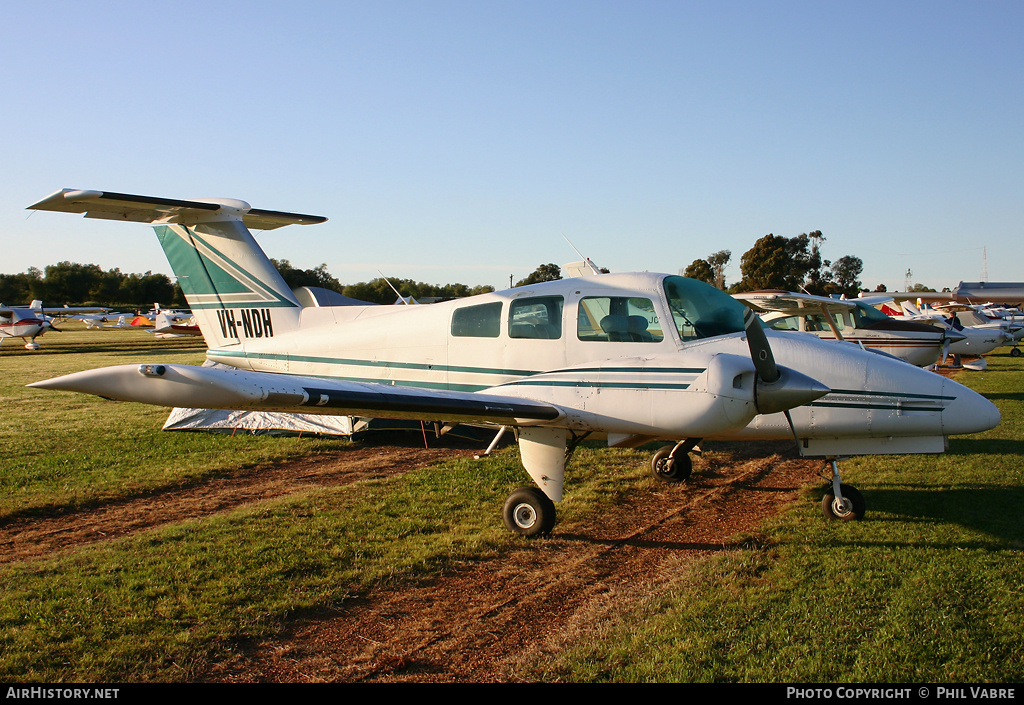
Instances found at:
x=233 y=289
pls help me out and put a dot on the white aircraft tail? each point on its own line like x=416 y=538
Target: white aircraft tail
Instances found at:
x=234 y=290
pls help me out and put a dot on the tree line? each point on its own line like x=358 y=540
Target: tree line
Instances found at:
x=774 y=262
x=88 y=284
x=790 y=264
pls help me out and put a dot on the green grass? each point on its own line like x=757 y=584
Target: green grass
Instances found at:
x=63 y=449
x=928 y=588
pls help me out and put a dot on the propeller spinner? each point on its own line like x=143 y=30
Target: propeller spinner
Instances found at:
x=777 y=388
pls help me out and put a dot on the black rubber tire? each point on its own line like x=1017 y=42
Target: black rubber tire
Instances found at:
x=666 y=469
x=853 y=507
x=529 y=512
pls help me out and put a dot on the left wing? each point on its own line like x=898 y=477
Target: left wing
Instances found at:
x=793 y=303
x=221 y=388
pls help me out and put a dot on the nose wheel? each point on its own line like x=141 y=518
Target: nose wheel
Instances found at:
x=843 y=502
x=673 y=463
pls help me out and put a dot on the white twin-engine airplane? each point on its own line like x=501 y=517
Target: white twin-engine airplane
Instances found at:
x=630 y=358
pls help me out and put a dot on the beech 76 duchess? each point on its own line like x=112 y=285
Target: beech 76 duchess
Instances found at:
x=631 y=358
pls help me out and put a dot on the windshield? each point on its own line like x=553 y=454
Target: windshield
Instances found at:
x=864 y=315
x=700 y=310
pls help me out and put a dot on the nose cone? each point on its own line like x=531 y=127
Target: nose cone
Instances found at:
x=968 y=412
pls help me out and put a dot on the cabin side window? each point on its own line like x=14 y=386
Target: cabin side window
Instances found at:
x=536 y=317
x=816 y=322
x=480 y=321
x=621 y=319
x=788 y=323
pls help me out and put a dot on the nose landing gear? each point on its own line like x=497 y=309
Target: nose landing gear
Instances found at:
x=843 y=502
x=673 y=463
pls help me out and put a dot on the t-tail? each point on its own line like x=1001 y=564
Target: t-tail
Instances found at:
x=230 y=284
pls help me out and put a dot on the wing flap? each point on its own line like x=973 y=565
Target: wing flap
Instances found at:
x=219 y=388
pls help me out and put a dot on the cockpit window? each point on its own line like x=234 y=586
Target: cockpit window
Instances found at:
x=700 y=310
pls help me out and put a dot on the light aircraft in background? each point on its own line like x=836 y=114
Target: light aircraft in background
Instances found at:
x=164 y=326
x=97 y=320
x=979 y=336
x=34 y=320
x=851 y=320
x=976 y=316
x=629 y=358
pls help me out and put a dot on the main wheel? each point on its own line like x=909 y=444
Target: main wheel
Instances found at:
x=529 y=512
x=1014 y=352
x=850 y=509
x=667 y=469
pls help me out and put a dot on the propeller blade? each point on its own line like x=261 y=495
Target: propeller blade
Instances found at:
x=777 y=388
x=792 y=428
x=760 y=350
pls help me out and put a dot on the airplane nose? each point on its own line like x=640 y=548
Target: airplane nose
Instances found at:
x=969 y=412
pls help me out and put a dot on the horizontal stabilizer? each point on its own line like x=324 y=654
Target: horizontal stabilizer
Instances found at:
x=220 y=388
x=148 y=209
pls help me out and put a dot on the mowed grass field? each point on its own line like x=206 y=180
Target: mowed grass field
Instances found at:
x=929 y=588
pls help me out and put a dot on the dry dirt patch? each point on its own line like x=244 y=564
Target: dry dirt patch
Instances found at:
x=484 y=622
x=34 y=536
x=477 y=624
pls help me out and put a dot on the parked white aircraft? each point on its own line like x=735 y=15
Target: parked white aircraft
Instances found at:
x=978 y=339
x=630 y=358
x=33 y=321
x=164 y=326
x=852 y=320
x=975 y=316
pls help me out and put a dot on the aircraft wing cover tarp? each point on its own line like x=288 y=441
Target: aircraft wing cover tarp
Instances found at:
x=184 y=419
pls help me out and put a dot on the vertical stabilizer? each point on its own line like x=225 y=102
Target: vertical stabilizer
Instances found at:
x=234 y=291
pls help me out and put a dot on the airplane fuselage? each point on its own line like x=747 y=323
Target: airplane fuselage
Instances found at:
x=547 y=342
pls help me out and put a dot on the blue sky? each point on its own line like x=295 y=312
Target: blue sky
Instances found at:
x=458 y=141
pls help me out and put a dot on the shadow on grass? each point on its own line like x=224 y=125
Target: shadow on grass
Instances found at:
x=986 y=446
x=992 y=510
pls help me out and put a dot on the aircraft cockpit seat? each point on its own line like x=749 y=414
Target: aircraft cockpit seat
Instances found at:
x=521 y=330
x=616 y=328
x=638 y=329
x=547 y=331
x=544 y=331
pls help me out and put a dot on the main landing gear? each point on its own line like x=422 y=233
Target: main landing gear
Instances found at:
x=529 y=512
x=843 y=502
